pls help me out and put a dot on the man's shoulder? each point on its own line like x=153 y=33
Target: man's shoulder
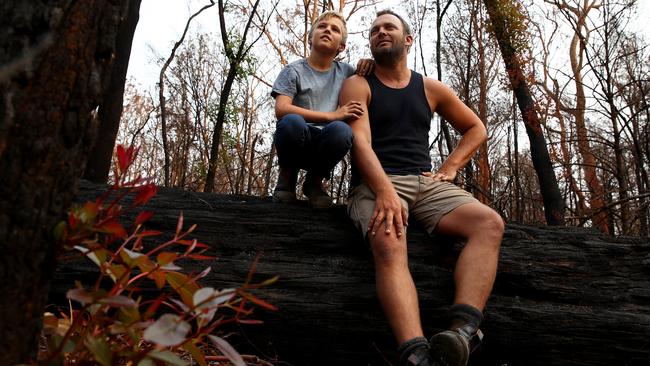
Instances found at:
x=356 y=86
x=436 y=88
x=356 y=81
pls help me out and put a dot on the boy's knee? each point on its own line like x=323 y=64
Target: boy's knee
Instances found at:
x=291 y=127
x=340 y=133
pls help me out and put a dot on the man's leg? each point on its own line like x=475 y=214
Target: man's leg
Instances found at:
x=444 y=208
x=476 y=267
x=474 y=276
x=292 y=139
x=395 y=288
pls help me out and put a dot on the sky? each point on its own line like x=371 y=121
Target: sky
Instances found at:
x=162 y=22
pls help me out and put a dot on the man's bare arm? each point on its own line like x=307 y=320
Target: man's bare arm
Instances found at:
x=388 y=207
x=445 y=102
x=284 y=106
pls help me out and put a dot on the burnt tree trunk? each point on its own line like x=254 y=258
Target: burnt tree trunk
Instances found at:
x=563 y=296
x=110 y=108
x=499 y=13
x=55 y=61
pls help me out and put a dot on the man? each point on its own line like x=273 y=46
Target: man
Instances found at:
x=310 y=132
x=393 y=179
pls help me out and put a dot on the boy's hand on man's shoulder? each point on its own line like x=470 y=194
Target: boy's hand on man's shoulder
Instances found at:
x=365 y=66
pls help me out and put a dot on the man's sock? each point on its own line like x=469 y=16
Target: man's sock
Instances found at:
x=411 y=348
x=461 y=314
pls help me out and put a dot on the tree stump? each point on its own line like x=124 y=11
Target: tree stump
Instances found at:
x=563 y=296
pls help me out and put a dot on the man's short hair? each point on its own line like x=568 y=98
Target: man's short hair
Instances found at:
x=405 y=25
x=326 y=15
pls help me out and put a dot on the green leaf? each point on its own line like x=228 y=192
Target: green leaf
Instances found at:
x=100 y=349
x=117 y=272
x=60 y=231
x=98 y=256
x=147 y=362
x=183 y=285
x=168 y=330
x=129 y=315
x=169 y=358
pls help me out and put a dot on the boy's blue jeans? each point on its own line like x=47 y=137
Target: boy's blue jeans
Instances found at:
x=301 y=146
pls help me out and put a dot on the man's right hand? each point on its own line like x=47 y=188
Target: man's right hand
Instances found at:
x=350 y=110
x=388 y=213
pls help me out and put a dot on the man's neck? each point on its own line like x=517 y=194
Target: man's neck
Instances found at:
x=395 y=76
x=320 y=61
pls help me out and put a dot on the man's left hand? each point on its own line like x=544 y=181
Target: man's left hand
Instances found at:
x=441 y=175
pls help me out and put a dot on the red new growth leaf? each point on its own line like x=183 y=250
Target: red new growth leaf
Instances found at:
x=121 y=158
x=256 y=300
x=143 y=217
x=145 y=193
x=201 y=257
x=166 y=257
x=113 y=228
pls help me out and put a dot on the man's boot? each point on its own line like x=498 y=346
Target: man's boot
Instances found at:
x=313 y=189
x=453 y=347
x=285 y=190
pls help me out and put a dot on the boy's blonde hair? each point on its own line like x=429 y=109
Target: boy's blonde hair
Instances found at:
x=326 y=15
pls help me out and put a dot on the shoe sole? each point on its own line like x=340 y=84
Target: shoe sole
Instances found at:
x=450 y=347
x=320 y=205
x=284 y=197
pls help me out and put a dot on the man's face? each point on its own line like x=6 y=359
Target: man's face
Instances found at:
x=388 y=42
x=328 y=34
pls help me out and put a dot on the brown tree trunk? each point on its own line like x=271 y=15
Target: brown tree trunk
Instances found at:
x=596 y=190
x=553 y=201
x=110 y=109
x=56 y=62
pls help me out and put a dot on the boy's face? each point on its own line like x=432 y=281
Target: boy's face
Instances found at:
x=327 y=35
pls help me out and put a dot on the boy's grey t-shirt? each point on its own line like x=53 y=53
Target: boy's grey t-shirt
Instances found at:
x=312 y=89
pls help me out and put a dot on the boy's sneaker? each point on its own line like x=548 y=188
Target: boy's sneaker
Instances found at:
x=452 y=347
x=313 y=189
x=285 y=190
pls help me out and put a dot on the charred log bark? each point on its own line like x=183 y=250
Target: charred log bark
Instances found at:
x=563 y=296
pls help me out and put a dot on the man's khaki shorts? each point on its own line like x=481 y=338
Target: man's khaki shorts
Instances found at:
x=426 y=200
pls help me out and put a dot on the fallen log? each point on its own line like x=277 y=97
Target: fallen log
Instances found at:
x=563 y=296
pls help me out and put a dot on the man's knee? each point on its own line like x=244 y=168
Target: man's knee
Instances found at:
x=388 y=250
x=492 y=225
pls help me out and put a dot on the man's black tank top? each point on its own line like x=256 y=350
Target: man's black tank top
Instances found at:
x=400 y=120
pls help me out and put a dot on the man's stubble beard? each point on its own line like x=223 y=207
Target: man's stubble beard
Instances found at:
x=390 y=56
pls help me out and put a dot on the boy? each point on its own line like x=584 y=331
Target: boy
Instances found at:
x=310 y=133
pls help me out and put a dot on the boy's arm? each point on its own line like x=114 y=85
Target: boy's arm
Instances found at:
x=388 y=207
x=446 y=103
x=284 y=106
